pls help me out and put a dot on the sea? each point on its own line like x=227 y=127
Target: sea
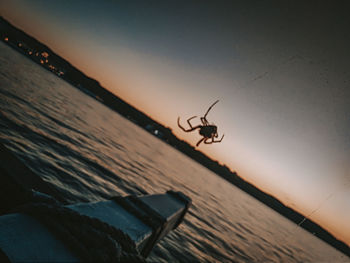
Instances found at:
x=90 y=152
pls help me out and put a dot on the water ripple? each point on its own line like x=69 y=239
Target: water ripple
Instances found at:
x=88 y=152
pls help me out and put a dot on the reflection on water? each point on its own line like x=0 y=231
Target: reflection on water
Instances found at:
x=90 y=153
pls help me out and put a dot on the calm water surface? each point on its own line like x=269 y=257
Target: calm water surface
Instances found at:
x=90 y=153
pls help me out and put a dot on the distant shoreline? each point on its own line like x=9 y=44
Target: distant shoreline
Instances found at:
x=44 y=56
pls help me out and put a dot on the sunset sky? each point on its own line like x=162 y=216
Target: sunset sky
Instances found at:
x=279 y=68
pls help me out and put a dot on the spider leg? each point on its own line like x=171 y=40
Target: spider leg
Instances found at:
x=188 y=130
x=205 y=115
x=203 y=139
x=218 y=140
x=208 y=142
x=204 y=121
x=188 y=121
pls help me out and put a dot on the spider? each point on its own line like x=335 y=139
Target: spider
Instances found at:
x=207 y=130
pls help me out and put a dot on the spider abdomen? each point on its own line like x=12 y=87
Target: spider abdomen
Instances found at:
x=208 y=131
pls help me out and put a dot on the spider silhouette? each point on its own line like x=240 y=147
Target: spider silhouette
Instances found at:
x=207 y=130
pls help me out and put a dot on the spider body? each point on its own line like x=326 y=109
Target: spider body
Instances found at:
x=207 y=130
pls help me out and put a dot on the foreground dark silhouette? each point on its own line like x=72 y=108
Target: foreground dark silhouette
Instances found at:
x=44 y=56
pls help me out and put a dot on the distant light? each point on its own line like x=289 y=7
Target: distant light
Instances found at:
x=6 y=39
x=45 y=54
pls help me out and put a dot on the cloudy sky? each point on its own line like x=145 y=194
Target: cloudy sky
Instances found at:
x=279 y=68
